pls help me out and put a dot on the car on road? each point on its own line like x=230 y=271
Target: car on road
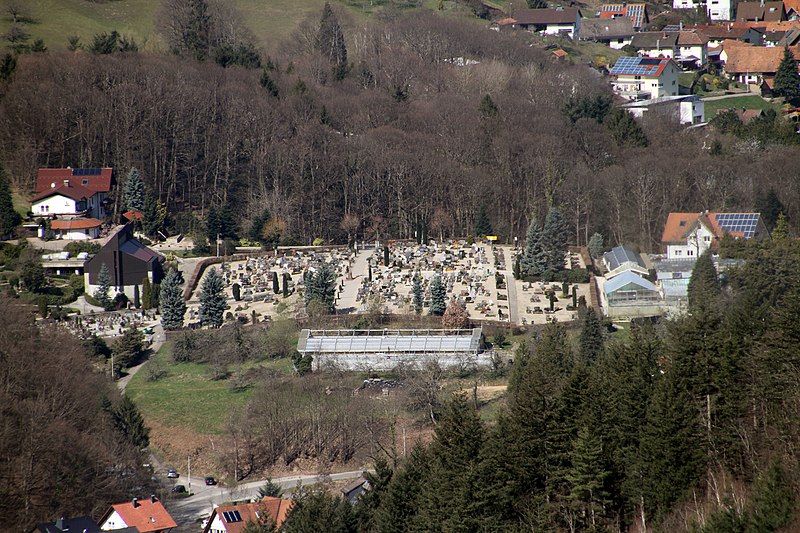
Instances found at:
x=210 y=480
x=178 y=489
x=172 y=473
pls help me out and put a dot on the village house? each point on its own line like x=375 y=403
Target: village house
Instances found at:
x=71 y=192
x=687 y=48
x=717 y=10
x=78 y=524
x=128 y=262
x=234 y=518
x=760 y=12
x=686 y=109
x=754 y=66
x=623 y=259
x=643 y=78
x=688 y=235
x=564 y=21
x=715 y=34
x=636 y=13
x=76 y=229
x=615 y=33
x=147 y=516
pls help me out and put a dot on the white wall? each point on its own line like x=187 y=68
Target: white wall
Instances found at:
x=78 y=234
x=54 y=205
x=696 y=244
x=114 y=521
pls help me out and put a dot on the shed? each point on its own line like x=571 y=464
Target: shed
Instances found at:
x=622 y=259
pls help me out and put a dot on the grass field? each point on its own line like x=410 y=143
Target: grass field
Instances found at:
x=187 y=398
x=21 y=203
x=752 y=101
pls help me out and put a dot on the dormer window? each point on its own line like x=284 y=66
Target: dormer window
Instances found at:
x=84 y=181
x=682 y=223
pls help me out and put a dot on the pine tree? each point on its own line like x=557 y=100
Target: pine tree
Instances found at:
x=554 y=239
x=318 y=510
x=596 y=245
x=270 y=488
x=625 y=130
x=197 y=36
x=487 y=108
x=153 y=214
x=591 y=338
x=587 y=477
x=780 y=234
x=330 y=42
x=483 y=226
x=770 y=207
x=129 y=422
x=101 y=294
x=133 y=195
x=212 y=300
x=400 y=505
x=129 y=348
x=147 y=293
x=367 y=505
x=787 y=79
x=269 y=84
x=704 y=288
x=9 y=219
x=173 y=307
x=534 y=258
x=438 y=295
x=416 y=291
x=321 y=287
x=275 y=285
x=773 y=502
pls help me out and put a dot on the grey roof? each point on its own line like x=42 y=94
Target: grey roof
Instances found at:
x=389 y=341
x=567 y=15
x=620 y=255
x=75 y=525
x=627 y=278
x=655 y=39
x=598 y=29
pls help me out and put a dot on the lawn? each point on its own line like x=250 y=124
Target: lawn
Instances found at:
x=21 y=203
x=752 y=101
x=187 y=398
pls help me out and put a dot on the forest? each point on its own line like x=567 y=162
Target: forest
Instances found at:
x=412 y=120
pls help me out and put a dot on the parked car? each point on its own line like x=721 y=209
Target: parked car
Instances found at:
x=210 y=480
x=172 y=474
x=178 y=489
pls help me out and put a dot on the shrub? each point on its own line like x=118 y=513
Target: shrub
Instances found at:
x=77 y=247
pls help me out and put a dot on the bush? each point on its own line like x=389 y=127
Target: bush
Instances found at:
x=155 y=371
x=577 y=275
x=77 y=247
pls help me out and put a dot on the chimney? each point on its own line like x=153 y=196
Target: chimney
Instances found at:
x=66 y=183
x=135 y=502
x=69 y=168
x=153 y=498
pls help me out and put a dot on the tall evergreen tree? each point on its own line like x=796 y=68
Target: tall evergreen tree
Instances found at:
x=773 y=502
x=319 y=510
x=483 y=226
x=587 y=478
x=147 y=294
x=704 y=288
x=625 y=130
x=770 y=207
x=367 y=505
x=596 y=245
x=487 y=108
x=555 y=233
x=133 y=194
x=400 y=505
x=173 y=307
x=591 y=337
x=101 y=294
x=9 y=219
x=212 y=300
x=153 y=214
x=787 y=79
x=534 y=258
x=321 y=287
x=330 y=42
x=129 y=422
x=197 y=35
x=416 y=291
x=438 y=296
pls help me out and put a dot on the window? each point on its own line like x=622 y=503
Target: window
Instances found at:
x=232 y=516
x=84 y=181
x=678 y=252
x=689 y=252
x=707 y=238
x=677 y=275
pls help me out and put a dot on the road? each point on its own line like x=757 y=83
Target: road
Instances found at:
x=513 y=312
x=159 y=338
x=348 y=295
x=198 y=506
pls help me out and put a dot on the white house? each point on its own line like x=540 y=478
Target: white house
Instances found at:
x=71 y=192
x=233 y=518
x=565 y=21
x=685 y=47
x=147 y=516
x=688 y=235
x=643 y=78
x=686 y=109
x=716 y=9
x=615 y=33
x=76 y=229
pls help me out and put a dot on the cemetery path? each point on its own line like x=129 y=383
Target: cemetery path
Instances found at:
x=159 y=337
x=511 y=283
x=349 y=293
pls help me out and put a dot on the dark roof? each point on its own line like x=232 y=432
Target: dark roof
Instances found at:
x=755 y=11
x=594 y=29
x=94 y=179
x=568 y=15
x=71 y=190
x=723 y=31
x=79 y=524
x=621 y=255
x=138 y=250
x=655 y=39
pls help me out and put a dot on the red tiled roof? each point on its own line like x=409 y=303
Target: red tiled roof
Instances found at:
x=147 y=516
x=276 y=509
x=99 y=182
x=76 y=192
x=133 y=214
x=752 y=59
x=680 y=225
x=75 y=223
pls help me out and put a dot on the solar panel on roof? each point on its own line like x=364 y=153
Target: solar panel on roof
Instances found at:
x=744 y=223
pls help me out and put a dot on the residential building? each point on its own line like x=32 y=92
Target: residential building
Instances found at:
x=147 y=516
x=622 y=259
x=71 y=192
x=559 y=21
x=687 y=48
x=353 y=490
x=760 y=12
x=752 y=65
x=686 y=236
x=76 y=229
x=642 y=78
x=717 y=33
x=636 y=13
x=234 y=518
x=685 y=109
x=717 y=10
x=128 y=262
x=615 y=33
x=78 y=524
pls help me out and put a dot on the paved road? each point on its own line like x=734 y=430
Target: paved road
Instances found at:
x=513 y=312
x=724 y=96
x=350 y=291
x=198 y=506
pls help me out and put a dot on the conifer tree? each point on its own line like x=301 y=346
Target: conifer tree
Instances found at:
x=275 y=285
x=318 y=510
x=769 y=205
x=171 y=301
x=129 y=348
x=704 y=286
x=330 y=42
x=9 y=219
x=487 y=108
x=591 y=337
x=400 y=505
x=625 y=130
x=147 y=294
x=534 y=258
x=780 y=235
x=787 y=79
x=270 y=488
x=438 y=295
x=587 y=477
x=212 y=300
x=129 y=422
x=269 y=84
x=596 y=245
x=367 y=505
x=133 y=194
x=416 y=291
x=101 y=294
x=554 y=239
x=197 y=36
x=773 y=502
x=153 y=214
x=483 y=226
x=321 y=287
